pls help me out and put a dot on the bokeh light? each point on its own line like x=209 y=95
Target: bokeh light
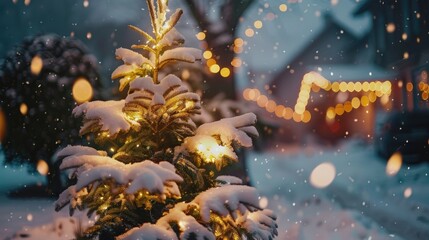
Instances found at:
x=42 y=167
x=394 y=164
x=36 y=65
x=323 y=175
x=82 y=90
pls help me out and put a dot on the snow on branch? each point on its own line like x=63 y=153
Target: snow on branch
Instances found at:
x=172 y=38
x=214 y=141
x=183 y=54
x=144 y=93
x=131 y=57
x=104 y=116
x=261 y=224
x=235 y=129
x=225 y=200
x=149 y=231
x=79 y=150
x=159 y=179
x=236 y=205
x=189 y=227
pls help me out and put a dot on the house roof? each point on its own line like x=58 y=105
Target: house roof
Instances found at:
x=286 y=35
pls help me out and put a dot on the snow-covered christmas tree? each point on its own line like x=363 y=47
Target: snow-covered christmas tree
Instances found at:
x=160 y=178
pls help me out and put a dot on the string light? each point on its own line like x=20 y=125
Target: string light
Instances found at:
x=207 y=54
x=249 y=32
x=314 y=82
x=201 y=36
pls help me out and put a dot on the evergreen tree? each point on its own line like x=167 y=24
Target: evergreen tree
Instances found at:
x=161 y=179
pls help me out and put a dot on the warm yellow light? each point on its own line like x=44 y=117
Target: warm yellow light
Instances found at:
x=409 y=87
x=297 y=117
x=348 y=106
x=207 y=54
x=36 y=65
x=372 y=97
x=225 y=72
x=246 y=94
x=355 y=102
x=384 y=99
x=201 y=36
x=425 y=96
x=23 y=108
x=330 y=113
x=288 y=113
x=210 y=62
x=323 y=175
x=88 y=35
x=238 y=49
x=364 y=101
x=306 y=117
x=343 y=86
x=300 y=108
x=249 y=32
x=280 y=111
x=82 y=90
x=335 y=87
x=283 y=7
x=404 y=36
x=358 y=86
x=254 y=94
x=214 y=68
x=365 y=86
x=42 y=167
x=238 y=42
x=262 y=101
x=339 y=109
x=211 y=151
x=386 y=87
x=350 y=86
x=406 y=55
x=271 y=106
x=236 y=62
x=394 y=164
x=257 y=24
x=372 y=86
x=390 y=28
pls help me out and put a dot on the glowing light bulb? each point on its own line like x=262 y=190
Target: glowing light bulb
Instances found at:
x=207 y=54
x=201 y=36
x=225 y=72
x=214 y=68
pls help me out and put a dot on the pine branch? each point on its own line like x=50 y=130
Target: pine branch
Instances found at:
x=146 y=35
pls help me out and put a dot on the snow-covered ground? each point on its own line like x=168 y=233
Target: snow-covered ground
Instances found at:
x=362 y=202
